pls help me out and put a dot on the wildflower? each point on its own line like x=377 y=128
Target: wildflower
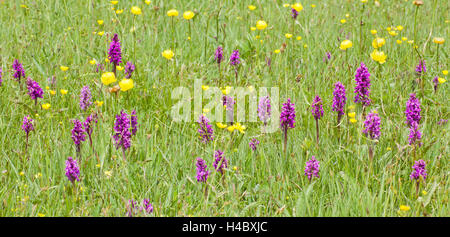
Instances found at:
x=339 y=100
x=412 y=111
x=100 y=22
x=98 y=103
x=399 y=28
x=351 y=114
x=1 y=71
x=312 y=168
x=27 y=125
x=134 y=122
x=414 y=134
x=419 y=170
x=19 y=72
x=327 y=57
x=132 y=208
x=87 y=124
x=172 y=12
x=317 y=109
x=253 y=143
x=46 y=106
x=421 y=68
x=346 y=44
x=297 y=6
x=122 y=134
x=287 y=119
x=218 y=55
x=85 y=98
x=445 y=72
x=373 y=32
x=221 y=125
x=378 y=43
x=202 y=173
x=126 y=84
x=294 y=13
x=362 y=89
x=72 y=170
x=239 y=127
x=435 y=83
x=441 y=80
x=221 y=162
x=148 y=2
x=372 y=125
x=264 y=109
x=188 y=15
x=299 y=38
x=261 y=25
x=343 y=21
x=404 y=208
x=119 y=68
x=115 y=52
x=146 y=205
x=234 y=58
x=129 y=69
x=108 y=78
x=78 y=135
x=251 y=7
x=205 y=130
x=136 y=10
x=378 y=56
x=34 y=90
x=276 y=51
x=393 y=33
x=168 y=54
x=399 y=41
x=353 y=120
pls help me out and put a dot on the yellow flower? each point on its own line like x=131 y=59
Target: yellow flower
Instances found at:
x=168 y=54
x=63 y=92
x=343 y=21
x=346 y=44
x=235 y=168
x=221 y=125
x=299 y=38
x=38 y=175
x=252 y=28
x=400 y=28
x=298 y=7
x=373 y=32
x=445 y=72
x=438 y=40
x=257 y=37
x=47 y=88
x=52 y=92
x=393 y=33
x=424 y=192
x=119 y=11
x=126 y=84
x=404 y=208
x=205 y=110
x=41 y=215
x=351 y=114
x=378 y=42
x=46 y=106
x=106 y=60
x=388 y=28
x=363 y=1
x=98 y=103
x=288 y=35
x=399 y=41
x=64 y=68
x=441 y=80
x=352 y=120
x=227 y=90
x=100 y=22
x=231 y=128
x=108 y=78
x=347 y=15
x=404 y=39
x=261 y=25
x=378 y=56
x=93 y=62
x=108 y=174
x=305 y=46
x=188 y=15
x=101 y=33
x=239 y=127
x=114 y=2
x=136 y=10
x=205 y=88
x=172 y=12
x=388 y=148
x=286 y=5
x=24 y=6
x=313 y=5
x=21 y=173
x=410 y=41
x=98 y=165
x=276 y=51
x=251 y=7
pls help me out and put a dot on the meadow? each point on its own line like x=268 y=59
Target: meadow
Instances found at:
x=141 y=162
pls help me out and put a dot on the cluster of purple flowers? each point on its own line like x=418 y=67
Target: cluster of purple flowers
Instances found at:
x=122 y=136
x=339 y=99
x=234 y=58
x=287 y=116
x=421 y=68
x=218 y=56
x=229 y=102
x=294 y=13
x=27 y=124
x=221 y=162
x=1 y=71
x=264 y=109
x=134 y=123
x=87 y=124
x=253 y=144
x=34 y=90
x=19 y=72
x=435 y=83
x=372 y=125
x=419 y=170
x=78 y=135
x=362 y=88
x=414 y=134
x=206 y=132
x=85 y=98
x=202 y=173
x=115 y=52
x=317 y=108
x=412 y=111
x=312 y=168
x=72 y=170
x=133 y=209
x=129 y=69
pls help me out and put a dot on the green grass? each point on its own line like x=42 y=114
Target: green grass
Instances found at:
x=160 y=165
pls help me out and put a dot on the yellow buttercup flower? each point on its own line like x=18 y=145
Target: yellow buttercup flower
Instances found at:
x=251 y=7
x=343 y=21
x=286 y=5
x=108 y=78
x=205 y=88
x=261 y=25
x=378 y=42
x=239 y=127
x=148 y=2
x=52 y=92
x=188 y=15
x=351 y=114
x=439 y=40
x=168 y=54
x=399 y=28
x=98 y=103
x=252 y=28
x=46 y=106
x=299 y=38
x=114 y=2
x=313 y=5
x=352 y=120
x=126 y=84
x=363 y=1
x=404 y=39
x=378 y=56
x=373 y=32
x=100 y=22
x=424 y=192
x=63 y=92
x=64 y=68
x=47 y=87
x=288 y=35
x=276 y=51
x=404 y=208
x=445 y=72
x=441 y=80
x=393 y=33
x=41 y=215
x=410 y=41
x=298 y=7
x=346 y=44
x=136 y=10
x=221 y=125
x=230 y=128
x=172 y=12
x=93 y=62
x=399 y=41
x=227 y=90
x=119 y=11
x=101 y=33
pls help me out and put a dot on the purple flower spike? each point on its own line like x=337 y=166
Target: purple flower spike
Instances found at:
x=115 y=52
x=221 y=162
x=85 y=98
x=414 y=134
x=34 y=90
x=419 y=170
x=72 y=170
x=218 y=56
x=372 y=125
x=412 y=111
x=294 y=13
x=147 y=206
x=78 y=135
x=205 y=130
x=287 y=116
x=202 y=173
x=27 y=124
x=129 y=69
x=362 y=89
x=264 y=109
x=421 y=68
x=134 y=122
x=234 y=58
x=317 y=109
x=253 y=144
x=19 y=72
x=312 y=168
x=122 y=136
x=339 y=99
x=132 y=208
